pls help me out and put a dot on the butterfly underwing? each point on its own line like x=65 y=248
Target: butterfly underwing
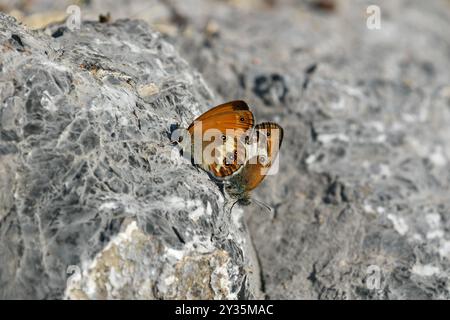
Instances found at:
x=216 y=138
x=267 y=137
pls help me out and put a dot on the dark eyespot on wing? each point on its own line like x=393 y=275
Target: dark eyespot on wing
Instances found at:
x=271 y=126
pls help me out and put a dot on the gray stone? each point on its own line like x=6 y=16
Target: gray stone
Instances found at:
x=95 y=201
x=363 y=189
x=362 y=197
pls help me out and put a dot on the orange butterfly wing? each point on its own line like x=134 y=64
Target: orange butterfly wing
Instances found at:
x=230 y=113
x=270 y=135
x=234 y=115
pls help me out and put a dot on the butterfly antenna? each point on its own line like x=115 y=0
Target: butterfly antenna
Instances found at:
x=232 y=206
x=263 y=205
x=228 y=206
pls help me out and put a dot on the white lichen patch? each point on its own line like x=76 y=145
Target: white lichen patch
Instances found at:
x=381 y=210
x=444 y=249
x=434 y=223
x=47 y=102
x=208 y=209
x=197 y=213
x=148 y=90
x=127 y=269
x=205 y=274
x=177 y=254
x=399 y=224
x=435 y=234
x=437 y=157
x=330 y=137
x=425 y=270
x=220 y=278
x=368 y=208
x=178 y=203
x=236 y=216
x=311 y=159
x=433 y=220
x=195 y=207
x=108 y=206
x=119 y=271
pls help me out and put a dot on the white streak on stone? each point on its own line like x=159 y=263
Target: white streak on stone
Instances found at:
x=197 y=213
x=435 y=234
x=399 y=224
x=425 y=270
x=444 y=250
x=108 y=206
x=329 y=137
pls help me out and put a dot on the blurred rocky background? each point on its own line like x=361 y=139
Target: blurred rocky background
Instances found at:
x=361 y=201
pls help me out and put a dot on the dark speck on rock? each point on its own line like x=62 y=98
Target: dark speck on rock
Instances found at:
x=17 y=39
x=271 y=89
x=59 y=32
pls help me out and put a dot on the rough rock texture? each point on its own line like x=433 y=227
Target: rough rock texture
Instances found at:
x=363 y=189
x=90 y=185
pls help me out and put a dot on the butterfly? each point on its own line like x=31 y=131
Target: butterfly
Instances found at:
x=241 y=154
x=268 y=137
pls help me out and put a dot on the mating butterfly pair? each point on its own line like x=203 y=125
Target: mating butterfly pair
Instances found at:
x=225 y=143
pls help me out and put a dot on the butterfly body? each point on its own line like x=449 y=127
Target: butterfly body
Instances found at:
x=236 y=188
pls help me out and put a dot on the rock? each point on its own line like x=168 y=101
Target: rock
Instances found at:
x=95 y=201
x=362 y=196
